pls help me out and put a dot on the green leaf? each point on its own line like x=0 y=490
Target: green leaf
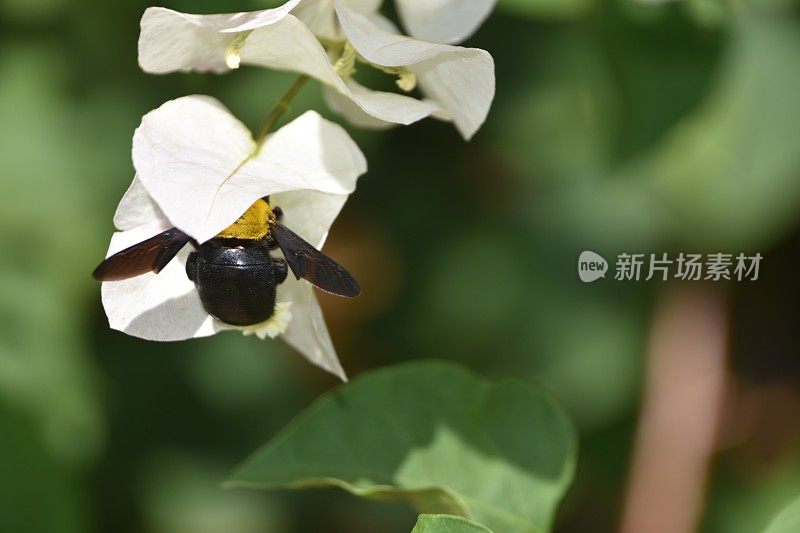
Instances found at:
x=445 y=523
x=787 y=521
x=434 y=435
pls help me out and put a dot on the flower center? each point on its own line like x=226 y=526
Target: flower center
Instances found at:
x=345 y=67
x=232 y=57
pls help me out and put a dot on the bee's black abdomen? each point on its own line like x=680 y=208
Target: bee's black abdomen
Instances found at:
x=236 y=284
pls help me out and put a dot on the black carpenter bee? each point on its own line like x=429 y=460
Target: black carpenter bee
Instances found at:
x=234 y=272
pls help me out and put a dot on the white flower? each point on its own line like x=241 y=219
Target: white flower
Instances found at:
x=198 y=169
x=438 y=21
x=444 y=21
x=459 y=83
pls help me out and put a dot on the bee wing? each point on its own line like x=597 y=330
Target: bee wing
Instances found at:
x=312 y=265
x=151 y=255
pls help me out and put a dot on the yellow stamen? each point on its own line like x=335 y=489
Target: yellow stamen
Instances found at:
x=345 y=66
x=406 y=80
x=232 y=57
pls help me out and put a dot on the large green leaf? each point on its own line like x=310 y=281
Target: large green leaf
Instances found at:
x=787 y=521
x=445 y=523
x=435 y=435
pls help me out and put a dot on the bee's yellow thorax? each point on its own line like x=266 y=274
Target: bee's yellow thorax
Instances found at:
x=252 y=225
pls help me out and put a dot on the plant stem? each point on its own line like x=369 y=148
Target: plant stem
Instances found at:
x=280 y=108
x=684 y=401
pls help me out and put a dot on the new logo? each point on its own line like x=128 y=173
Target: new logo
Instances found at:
x=591 y=266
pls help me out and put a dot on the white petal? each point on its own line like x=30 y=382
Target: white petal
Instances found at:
x=197 y=162
x=382 y=22
x=172 y=41
x=364 y=6
x=443 y=21
x=307 y=332
x=345 y=107
x=157 y=307
x=290 y=45
x=391 y=107
x=320 y=18
x=461 y=80
x=137 y=208
x=464 y=87
x=309 y=213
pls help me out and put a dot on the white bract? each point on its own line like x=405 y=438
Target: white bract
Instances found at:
x=198 y=169
x=443 y=21
x=438 y=21
x=458 y=83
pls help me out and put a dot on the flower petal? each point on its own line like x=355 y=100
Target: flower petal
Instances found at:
x=198 y=162
x=308 y=213
x=173 y=41
x=307 y=332
x=461 y=80
x=345 y=107
x=364 y=6
x=137 y=209
x=443 y=21
x=290 y=45
x=464 y=87
x=320 y=16
x=157 y=307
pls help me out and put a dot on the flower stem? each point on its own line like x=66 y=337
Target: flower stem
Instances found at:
x=280 y=108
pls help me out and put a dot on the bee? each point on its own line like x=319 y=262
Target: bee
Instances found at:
x=234 y=273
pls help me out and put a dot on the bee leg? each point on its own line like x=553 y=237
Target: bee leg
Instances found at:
x=270 y=241
x=280 y=269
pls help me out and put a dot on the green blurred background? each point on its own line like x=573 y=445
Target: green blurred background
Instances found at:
x=617 y=127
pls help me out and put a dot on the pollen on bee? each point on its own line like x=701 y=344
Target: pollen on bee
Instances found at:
x=275 y=325
x=252 y=225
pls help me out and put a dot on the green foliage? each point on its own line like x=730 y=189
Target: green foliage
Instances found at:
x=728 y=173
x=442 y=523
x=787 y=521
x=36 y=495
x=502 y=453
x=43 y=366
